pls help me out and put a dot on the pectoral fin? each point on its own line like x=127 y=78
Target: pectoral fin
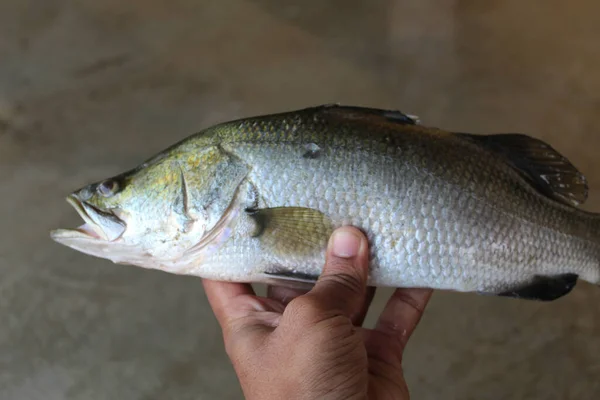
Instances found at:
x=291 y=231
x=544 y=168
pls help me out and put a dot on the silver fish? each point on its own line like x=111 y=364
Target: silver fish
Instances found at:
x=255 y=200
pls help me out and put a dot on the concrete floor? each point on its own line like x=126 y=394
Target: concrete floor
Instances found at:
x=90 y=88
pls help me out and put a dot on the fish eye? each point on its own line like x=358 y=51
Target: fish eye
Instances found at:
x=108 y=188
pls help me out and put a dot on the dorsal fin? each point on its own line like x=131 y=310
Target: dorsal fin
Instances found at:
x=354 y=112
x=545 y=168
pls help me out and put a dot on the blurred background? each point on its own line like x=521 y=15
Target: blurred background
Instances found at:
x=90 y=88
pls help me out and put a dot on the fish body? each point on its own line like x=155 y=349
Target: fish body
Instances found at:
x=255 y=200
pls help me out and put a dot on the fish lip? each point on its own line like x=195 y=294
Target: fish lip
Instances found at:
x=99 y=224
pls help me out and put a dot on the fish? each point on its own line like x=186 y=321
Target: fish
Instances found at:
x=256 y=199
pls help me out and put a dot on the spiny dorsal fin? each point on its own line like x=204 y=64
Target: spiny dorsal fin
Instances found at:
x=353 y=112
x=545 y=168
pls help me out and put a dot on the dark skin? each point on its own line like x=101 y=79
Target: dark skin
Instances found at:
x=311 y=344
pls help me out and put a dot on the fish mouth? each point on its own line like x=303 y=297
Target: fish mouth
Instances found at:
x=99 y=224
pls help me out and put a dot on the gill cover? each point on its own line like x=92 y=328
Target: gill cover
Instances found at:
x=159 y=210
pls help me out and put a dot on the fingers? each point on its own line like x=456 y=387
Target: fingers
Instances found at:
x=221 y=296
x=394 y=327
x=402 y=313
x=343 y=282
x=359 y=318
x=284 y=295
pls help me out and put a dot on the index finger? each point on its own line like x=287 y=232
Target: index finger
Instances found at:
x=396 y=324
x=403 y=312
x=284 y=294
x=221 y=294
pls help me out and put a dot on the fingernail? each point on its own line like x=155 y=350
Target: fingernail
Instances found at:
x=345 y=244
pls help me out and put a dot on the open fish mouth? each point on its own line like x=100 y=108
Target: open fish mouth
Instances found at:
x=99 y=224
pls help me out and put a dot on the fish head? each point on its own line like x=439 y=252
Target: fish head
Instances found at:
x=166 y=214
x=144 y=217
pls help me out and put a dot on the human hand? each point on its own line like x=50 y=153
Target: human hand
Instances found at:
x=297 y=345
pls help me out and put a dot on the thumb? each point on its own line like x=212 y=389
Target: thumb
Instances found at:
x=342 y=285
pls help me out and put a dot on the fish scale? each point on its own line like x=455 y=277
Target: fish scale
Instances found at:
x=457 y=233
x=493 y=214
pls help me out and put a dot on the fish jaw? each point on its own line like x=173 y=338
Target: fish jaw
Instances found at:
x=97 y=235
x=98 y=223
x=102 y=236
x=118 y=252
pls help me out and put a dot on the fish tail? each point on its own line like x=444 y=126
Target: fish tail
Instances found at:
x=586 y=248
x=593 y=273
x=595 y=278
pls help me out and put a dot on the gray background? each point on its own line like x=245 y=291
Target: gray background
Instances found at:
x=89 y=88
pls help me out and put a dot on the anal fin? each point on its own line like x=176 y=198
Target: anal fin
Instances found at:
x=544 y=288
